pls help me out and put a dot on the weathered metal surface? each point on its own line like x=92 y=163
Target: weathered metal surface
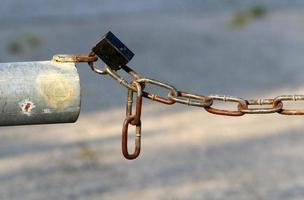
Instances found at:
x=133 y=120
x=74 y=58
x=38 y=93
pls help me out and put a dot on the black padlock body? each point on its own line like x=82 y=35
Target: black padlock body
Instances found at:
x=112 y=51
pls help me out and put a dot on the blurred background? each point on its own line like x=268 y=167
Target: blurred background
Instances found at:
x=247 y=48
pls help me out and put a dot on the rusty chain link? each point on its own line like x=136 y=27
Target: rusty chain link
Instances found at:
x=133 y=120
x=225 y=98
x=154 y=97
x=261 y=110
x=190 y=99
x=284 y=111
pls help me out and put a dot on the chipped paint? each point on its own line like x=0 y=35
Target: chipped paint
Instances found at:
x=26 y=107
x=46 y=110
x=56 y=88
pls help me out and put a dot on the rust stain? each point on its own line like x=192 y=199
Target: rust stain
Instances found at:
x=56 y=88
x=26 y=107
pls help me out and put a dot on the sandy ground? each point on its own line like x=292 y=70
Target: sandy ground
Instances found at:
x=187 y=153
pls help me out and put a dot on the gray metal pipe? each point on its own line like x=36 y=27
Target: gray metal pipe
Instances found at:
x=43 y=92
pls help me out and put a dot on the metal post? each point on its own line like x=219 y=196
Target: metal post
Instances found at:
x=43 y=92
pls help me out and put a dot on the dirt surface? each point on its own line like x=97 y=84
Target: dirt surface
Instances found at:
x=185 y=155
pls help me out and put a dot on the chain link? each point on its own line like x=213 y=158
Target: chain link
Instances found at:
x=154 y=97
x=133 y=120
x=225 y=98
x=95 y=68
x=284 y=111
x=124 y=140
x=261 y=110
x=191 y=99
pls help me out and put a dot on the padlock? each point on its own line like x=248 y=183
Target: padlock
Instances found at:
x=43 y=92
x=112 y=51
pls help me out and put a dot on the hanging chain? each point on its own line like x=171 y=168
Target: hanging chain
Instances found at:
x=243 y=106
x=116 y=55
x=138 y=83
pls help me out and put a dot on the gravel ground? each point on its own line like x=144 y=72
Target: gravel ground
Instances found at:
x=187 y=154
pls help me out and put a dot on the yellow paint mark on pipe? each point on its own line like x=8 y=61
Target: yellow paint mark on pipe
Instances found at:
x=56 y=88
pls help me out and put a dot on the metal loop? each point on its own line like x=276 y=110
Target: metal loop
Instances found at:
x=138 y=103
x=155 y=97
x=226 y=99
x=124 y=143
x=283 y=111
x=94 y=67
x=191 y=99
x=246 y=110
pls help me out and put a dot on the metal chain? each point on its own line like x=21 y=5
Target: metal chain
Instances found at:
x=274 y=105
x=138 y=83
x=261 y=106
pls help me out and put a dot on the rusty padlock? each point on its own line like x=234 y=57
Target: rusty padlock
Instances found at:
x=112 y=51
